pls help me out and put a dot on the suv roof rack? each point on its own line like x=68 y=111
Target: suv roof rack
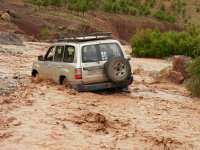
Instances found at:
x=87 y=37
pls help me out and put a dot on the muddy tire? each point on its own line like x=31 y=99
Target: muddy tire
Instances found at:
x=66 y=83
x=118 y=69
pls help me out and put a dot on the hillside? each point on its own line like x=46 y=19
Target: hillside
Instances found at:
x=51 y=22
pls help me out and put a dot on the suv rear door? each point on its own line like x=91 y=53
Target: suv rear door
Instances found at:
x=94 y=57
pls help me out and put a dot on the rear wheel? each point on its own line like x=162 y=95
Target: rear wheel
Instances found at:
x=118 y=69
x=66 y=83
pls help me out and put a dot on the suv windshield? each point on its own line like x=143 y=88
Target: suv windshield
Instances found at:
x=100 y=52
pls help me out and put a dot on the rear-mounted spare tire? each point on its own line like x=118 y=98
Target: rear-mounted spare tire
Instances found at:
x=118 y=69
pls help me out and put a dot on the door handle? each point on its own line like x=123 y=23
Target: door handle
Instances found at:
x=86 y=69
x=59 y=66
x=93 y=68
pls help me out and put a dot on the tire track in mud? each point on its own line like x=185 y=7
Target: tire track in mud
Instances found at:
x=115 y=116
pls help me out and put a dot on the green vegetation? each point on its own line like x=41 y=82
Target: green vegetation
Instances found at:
x=44 y=33
x=177 y=9
x=81 y=5
x=48 y=2
x=169 y=13
x=162 y=15
x=193 y=83
x=198 y=9
x=132 y=7
x=154 y=44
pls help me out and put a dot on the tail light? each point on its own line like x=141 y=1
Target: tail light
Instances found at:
x=78 y=74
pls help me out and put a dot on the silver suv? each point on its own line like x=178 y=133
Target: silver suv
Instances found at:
x=85 y=63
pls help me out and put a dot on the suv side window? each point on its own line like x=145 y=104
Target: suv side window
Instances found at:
x=50 y=53
x=109 y=50
x=90 y=54
x=69 y=54
x=58 y=57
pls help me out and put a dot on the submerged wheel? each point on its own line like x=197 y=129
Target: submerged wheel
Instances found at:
x=66 y=83
x=118 y=69
x=36 y=78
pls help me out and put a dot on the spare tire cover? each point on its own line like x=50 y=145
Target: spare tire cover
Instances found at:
x=118 y=69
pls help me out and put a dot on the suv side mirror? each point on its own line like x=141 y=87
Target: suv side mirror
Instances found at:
x=41 y=58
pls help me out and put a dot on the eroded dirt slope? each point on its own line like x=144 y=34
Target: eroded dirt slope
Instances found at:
x=50 y=23
x=48 y=116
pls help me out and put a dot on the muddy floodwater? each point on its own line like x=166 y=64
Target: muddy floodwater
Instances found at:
x=46 y=116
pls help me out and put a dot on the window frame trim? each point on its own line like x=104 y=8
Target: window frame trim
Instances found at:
x=55 y=53
x=68 y=45
x=98 y=51
x=83 y=55
x=48 y=52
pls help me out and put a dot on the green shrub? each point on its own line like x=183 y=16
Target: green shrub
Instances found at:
x=154 y=44
x=193 y=29
x=57 y=2
x=81 y=5
x=193 y=83
x=162 y=15
x=44 y=33
x=48 y=2
x=179 y=6
x=132 y=11
x=151 y=3
x=132 y=7
x=198 y=9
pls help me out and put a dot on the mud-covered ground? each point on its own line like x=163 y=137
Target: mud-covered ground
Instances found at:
x=154 y=116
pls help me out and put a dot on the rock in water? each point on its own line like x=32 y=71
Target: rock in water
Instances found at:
x=6 y=17
x=175 y=77
x=180 y=64
x=10 y=39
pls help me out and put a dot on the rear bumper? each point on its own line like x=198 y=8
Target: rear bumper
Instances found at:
x=101 y=86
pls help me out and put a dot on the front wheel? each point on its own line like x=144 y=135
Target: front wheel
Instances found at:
x=36 y=78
